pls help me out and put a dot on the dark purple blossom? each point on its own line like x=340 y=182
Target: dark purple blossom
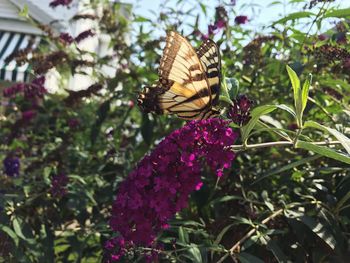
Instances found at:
x=13 y=90
x=58 y=185
x=239 y=20
x=36 y=88
x=60 y=2
x=28 y=115
x=73 y=123
x=322 y=37
x=161 y=183
x=83 y=35
x=66 y=38
x=11 y=166
x=31 y=90
x=239 y=112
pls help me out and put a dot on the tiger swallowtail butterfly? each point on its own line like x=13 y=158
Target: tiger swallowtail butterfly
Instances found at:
x=189 y=80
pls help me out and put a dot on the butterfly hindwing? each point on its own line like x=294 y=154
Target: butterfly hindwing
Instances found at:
x=184 y=87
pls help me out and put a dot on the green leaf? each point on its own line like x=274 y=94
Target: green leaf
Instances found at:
x=248 y=258
x=10 y=232
x=305 y=93
x=297 y=93
x=222 y=233
x=256 y=114
x=287 y=167
x=341 y=202
x=183 y=235
x=232 y=85
x=24 y=12
x=287 y=109
x=294 y=16
x=345 y=141
x=320 y=230
x=195 y=253
x=325 y=151
x=147 y=129
x=276 y=250
x=17 y=228
x=338 y=13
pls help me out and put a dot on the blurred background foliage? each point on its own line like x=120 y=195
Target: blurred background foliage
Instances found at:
x=79 y=145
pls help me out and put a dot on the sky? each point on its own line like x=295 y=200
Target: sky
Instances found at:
x=259 y=12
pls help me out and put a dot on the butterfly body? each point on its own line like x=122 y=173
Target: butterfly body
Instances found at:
x=189 y=80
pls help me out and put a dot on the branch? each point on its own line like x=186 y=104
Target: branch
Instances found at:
x=273 y=144
x=236 y=246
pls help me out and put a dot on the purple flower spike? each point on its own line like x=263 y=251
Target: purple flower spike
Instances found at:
x=11 y=166
x=161 y=183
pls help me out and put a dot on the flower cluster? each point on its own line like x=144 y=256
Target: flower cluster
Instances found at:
x=252 y=54
x=162 y=181
x=83 y=35
x=31 y=90
x=11 y=166
x=58 y=185
x=66 y=38
x=240 y=20
x=221 y=21
x=56 y=3
x=240 y=110
x=331 y=53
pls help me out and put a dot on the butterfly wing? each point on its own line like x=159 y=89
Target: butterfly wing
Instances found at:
x=183 y=87
x=209 y=56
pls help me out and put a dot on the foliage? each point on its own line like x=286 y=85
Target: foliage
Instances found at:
x=284 y=199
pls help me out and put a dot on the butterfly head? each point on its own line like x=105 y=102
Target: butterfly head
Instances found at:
x=146 y=100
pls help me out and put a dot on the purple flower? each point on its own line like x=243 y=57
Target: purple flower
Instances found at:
x=322 y=37
x=220 y=24
x=161 y=183
x=239 y=112
x=84 y=34
x=239 y=20
x=58 y=185
x=66 y=38
x=73 y=123
x=11 y=166
x=60 y=2
x=13 y=90
x=28 y=115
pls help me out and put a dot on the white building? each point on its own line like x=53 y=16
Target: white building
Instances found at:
x=16 y=32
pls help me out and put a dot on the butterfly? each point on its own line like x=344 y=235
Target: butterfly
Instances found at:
x=189 y=80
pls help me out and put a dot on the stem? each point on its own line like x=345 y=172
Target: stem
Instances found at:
x=273 y=144
x=236 y=246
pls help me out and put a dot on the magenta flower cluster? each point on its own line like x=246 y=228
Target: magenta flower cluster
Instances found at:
x=34 y=89
x=59 y=185
x=162 y=181
x=239 y=112
x=240 y=20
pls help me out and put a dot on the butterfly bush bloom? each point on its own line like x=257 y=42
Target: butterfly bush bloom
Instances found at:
x=239 y=20
x=239 y=112
x=11 y=166
x=58 y=185
x=66 y=38
x=162 y=181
